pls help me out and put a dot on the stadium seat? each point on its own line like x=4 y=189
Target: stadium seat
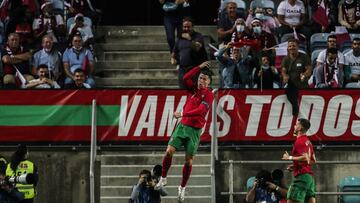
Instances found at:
x=58 y=6
x=262 y=4
x=240 y=4
x=350 y=184
x=314 y=55
x=318 y=41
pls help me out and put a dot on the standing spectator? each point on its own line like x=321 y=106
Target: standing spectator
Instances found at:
x=242 y=31
x=85 y=7
x=349 y=15
x=43 y=81
x=15 y=56
x=85 y=31
x=227 y=23
x=49 y=23
x=302 y=188
x=76 y=57
x=79 y=81
x=144 y=192
x=266 y=75
x=296 y=70
x=20 y=165
x=329 y=74
x=236 y=71
x=24 y=28
x=291 y=15
x=173 y=18
x=352 y=65
x=49 y=56
x=189 y=50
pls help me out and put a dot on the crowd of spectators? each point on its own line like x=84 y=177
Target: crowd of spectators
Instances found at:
x=47 y=44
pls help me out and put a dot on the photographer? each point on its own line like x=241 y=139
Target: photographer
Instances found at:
x=20 y=165
x=144 y=192
x=8 y=194
x=267 y=188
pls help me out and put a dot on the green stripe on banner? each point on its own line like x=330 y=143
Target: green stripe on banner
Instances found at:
x=57 y=115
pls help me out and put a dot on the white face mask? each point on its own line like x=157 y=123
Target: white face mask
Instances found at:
x=240 y=28
x=265 y=67
x=349 y=1
x=259 y=15
x=257 y=30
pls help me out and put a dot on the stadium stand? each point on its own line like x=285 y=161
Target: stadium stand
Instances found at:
x=349 y=184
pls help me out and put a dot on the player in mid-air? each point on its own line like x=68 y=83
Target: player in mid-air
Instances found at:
x=302 y=188
x=188 y=131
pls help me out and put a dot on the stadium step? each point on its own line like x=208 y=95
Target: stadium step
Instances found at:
x=119 y=172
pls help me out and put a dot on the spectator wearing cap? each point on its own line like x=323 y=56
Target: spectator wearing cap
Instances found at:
x=80 y=27
x=291 y=15
x=48 y=23
x=76 y=57
x=349 y=15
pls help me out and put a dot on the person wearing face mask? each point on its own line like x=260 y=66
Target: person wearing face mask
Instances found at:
x=241 y=32
x=266 y=75
x=329 y=74
x=236 y=72
x=349 y=15
x=76 y=57
x=49 y=56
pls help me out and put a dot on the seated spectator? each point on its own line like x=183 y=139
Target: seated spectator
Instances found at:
x=24 y=28
x=50 y=24
x=349 y=15
x=352 y=65
x=241 y=32
x=264 y=189
x=144 y=191
x=236 y=71
x=79 y=81
x=331 y=43
x=291 y=15
x=50 y=56
x=329 y=74
x=227 y=23
x=266 y=75
x=85 y=30
x=266 y=16
x=85 y=7
x=323 y=19
x=15 y=57
x=76 y=57
x=43 y=81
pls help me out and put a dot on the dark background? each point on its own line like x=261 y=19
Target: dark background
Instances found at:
x=149 y=12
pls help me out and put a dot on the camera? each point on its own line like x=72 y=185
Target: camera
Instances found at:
x=22 y=179
x=261 y=182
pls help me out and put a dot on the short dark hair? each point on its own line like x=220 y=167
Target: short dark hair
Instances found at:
x=188 y=19
x=332 y=51
x=42 y=66
x=264 y=174
x=79 y=70
x=293 y=40
x=331 y=36
x=305 y=123
x=356 y=39
x=146 y=172
x=208 y=72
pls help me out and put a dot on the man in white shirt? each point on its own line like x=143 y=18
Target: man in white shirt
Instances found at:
x=80 y=27
x=43 y=82
x=291 y=15
x=352 y=65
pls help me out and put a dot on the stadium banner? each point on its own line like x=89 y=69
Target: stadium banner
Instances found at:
x=146 y=115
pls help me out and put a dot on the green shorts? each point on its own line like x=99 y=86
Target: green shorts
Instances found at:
x=302 y=188
x=187 y=136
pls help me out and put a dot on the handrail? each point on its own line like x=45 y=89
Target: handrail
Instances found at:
x=231 y=163
x=92 y=151
x=214 y=148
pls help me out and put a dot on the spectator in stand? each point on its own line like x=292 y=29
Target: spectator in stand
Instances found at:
x=15 y=56
x=24 y=28
x=43 y=81
x=266 y=75
x=79 y=81
x=236 y=71
x=242 y=31
x=189 y=50
x=49 y=56
x=85 y=30
x=227 y=23
x=76 y=57
x=291 y=15
x=329 y=74
x=48 y=23
x=265 y=15
x=173 y=16
x=296 y=71
x=352 y=65
x=331 y=43
x=319 y=23
x=349 y=15
x=85 y=7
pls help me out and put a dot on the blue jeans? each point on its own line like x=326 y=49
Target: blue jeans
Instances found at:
x=171 y=24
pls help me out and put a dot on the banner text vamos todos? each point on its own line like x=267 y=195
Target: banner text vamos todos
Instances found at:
x=146 y=115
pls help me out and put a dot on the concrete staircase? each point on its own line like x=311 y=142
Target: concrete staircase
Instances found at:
x=119 y=172
x=138 y=57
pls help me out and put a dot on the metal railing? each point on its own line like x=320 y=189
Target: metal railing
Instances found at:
x=214 y=150
x=231 y=163
x=92 y=151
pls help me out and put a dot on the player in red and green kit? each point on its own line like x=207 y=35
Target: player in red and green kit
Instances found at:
x=302 y=188
x=187 y=132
